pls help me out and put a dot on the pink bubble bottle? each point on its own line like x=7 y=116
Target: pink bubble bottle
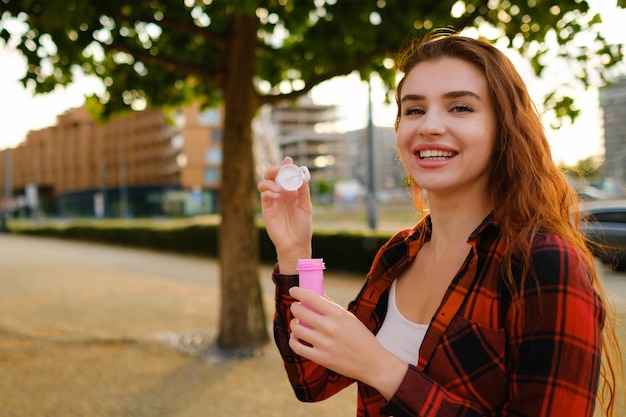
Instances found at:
x=311 y=273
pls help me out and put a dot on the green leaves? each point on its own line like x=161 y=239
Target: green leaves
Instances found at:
x=563 y=107
x=173 y=51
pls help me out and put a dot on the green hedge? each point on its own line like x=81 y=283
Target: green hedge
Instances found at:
x=350 y=252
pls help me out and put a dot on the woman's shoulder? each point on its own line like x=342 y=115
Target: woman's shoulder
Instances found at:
x=550 y=243
x=555 y=258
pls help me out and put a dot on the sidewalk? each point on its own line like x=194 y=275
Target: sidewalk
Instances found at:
x=84 y=331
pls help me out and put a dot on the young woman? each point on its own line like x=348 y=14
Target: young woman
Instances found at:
x=491 y=304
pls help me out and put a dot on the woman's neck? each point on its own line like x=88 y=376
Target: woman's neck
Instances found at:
x=453 y=222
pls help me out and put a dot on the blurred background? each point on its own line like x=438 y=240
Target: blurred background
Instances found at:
x=148 y=124
x=57 y=161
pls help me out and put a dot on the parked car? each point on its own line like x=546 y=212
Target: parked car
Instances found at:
x=604 y=224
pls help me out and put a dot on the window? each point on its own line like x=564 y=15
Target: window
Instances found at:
x=212 y=175
x=213 y=156
x=217 y=136
x=177 y=141
x=209 y=117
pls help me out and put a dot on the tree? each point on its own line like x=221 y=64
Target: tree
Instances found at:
x=246 y=53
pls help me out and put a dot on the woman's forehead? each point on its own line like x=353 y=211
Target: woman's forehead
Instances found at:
x=443 y=76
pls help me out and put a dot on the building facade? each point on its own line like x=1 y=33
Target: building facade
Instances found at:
x=613 y=104
x=301 y=136
x=147 y=163
x=388 y=171
x=139 y=164
x=306 y=132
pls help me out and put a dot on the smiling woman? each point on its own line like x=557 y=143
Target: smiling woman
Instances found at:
x=496 y=267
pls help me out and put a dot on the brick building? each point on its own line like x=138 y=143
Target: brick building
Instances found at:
x=147 y=163
x=138 y=164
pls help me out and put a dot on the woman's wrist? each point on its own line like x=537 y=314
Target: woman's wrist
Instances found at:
x=288 y=262
x=388 y=377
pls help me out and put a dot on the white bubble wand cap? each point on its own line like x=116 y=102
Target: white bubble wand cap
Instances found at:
x=291 y=176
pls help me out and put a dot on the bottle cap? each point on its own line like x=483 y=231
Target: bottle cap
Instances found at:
x=311 y=264
x=291 y=177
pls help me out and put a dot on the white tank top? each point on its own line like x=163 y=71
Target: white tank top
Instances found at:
x=398 y=335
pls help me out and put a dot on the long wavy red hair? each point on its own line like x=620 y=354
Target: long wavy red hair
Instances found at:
x=530 y=193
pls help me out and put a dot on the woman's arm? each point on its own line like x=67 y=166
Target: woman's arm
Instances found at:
x=310 y=381
x=288 y=218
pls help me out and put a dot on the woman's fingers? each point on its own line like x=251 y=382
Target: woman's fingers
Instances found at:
x=321 y=304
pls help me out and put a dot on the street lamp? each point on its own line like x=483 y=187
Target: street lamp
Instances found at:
x=371 y=195
x=7 y=191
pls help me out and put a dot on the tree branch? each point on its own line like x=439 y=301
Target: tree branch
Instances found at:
x=312 y=82
x=216 y=77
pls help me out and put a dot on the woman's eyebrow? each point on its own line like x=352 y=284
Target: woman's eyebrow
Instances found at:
x=461 y=93
x=450 y=94
x=412 y=97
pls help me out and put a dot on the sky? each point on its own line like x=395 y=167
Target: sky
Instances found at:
x=21 y=111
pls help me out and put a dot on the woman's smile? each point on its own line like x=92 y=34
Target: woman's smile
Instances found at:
x=435 y=155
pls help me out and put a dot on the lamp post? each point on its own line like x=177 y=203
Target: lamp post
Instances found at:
x=619 y=171
x=7 y=191
x=123 y=177
x=371 y=195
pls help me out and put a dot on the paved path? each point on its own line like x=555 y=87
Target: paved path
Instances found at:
x=84 y=331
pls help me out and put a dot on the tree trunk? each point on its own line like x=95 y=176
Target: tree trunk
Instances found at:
x=242 y=318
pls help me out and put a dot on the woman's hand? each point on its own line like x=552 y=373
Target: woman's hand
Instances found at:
x=334 y=338
x=288 y=219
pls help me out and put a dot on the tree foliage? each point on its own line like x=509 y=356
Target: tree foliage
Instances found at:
x=246 y=53
x=586 y=168
x=169 y=52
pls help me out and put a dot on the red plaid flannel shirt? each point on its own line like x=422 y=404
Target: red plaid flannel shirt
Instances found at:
x=478 y=358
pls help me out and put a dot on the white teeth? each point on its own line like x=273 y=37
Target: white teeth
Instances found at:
x=435 y=154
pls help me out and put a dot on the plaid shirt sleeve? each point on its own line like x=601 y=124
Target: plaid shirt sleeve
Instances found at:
x=310 y=381
x=551 y=363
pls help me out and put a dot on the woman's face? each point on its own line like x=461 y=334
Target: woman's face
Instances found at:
x=447 y=128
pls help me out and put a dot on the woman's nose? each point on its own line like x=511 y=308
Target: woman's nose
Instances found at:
x=433 y=124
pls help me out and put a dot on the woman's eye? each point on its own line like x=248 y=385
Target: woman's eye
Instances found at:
x=460 y=108
x=413 y=111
